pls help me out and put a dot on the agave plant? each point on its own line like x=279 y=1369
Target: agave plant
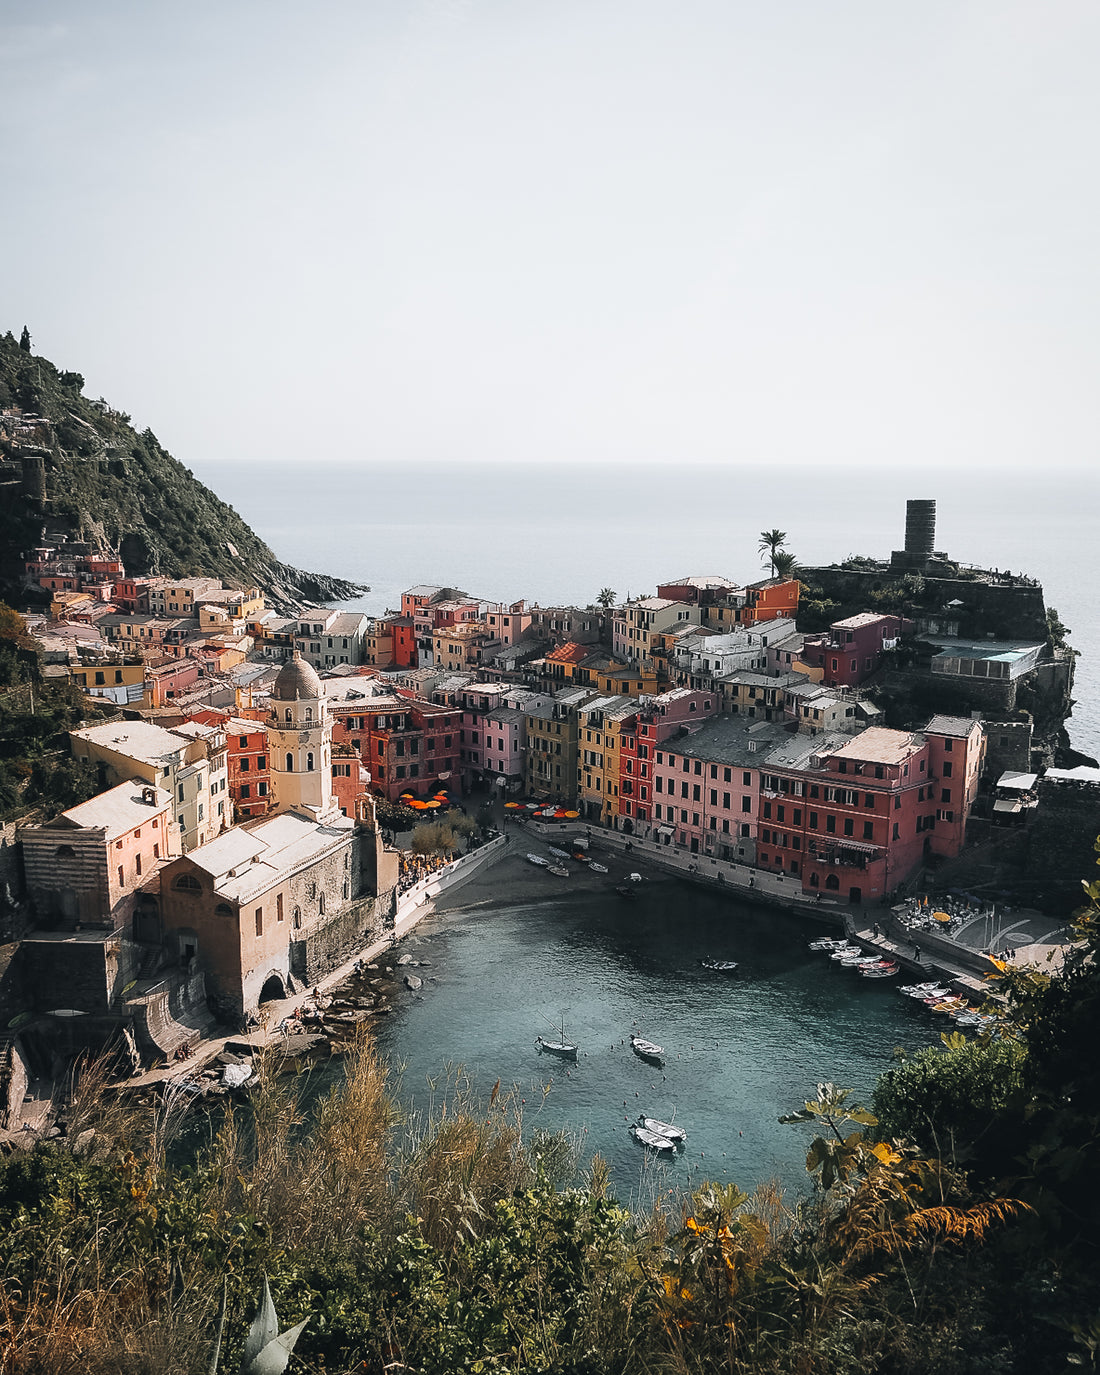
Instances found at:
x=266 y=1349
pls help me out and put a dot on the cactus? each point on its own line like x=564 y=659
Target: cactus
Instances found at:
x=266 y=1349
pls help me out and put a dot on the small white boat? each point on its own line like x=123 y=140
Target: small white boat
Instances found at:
x=634 y=878
x=559 y=869
x=838 y=952
x=559 y=854
x=648 y=1050
x=538 y=859
x=722 y=966
x=562 y=1048
x=828 y=943
x=668 y=1129
x=879 y=971
x=653 y=1140
x=597 y=868
x=566 y=1049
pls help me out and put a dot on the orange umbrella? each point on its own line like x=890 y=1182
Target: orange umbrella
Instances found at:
x=571 y=813
x=940 y=916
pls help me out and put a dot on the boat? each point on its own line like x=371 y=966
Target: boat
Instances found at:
x=648 y=1050
x=558 y=854
x=839 y=951
x=597 y=868
x=564 y=1048
x=880 y=971
x=828 y=943
x=667 y=1129
x=538 y=859
x=722 y=966
x=653 y=1140
x=558 y=869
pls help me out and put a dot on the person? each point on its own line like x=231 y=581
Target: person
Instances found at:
x=752 y=881
x=916 y=952
x=875 y=931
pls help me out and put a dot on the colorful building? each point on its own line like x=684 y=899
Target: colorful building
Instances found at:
x=851 y=650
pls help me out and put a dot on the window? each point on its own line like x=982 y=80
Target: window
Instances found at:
x=246 y=791
x=746 y=779
x=746 y=804
x=278 y=906
x=244 y=766
x=259 y=921
x=290 y=763
x=137 y=865
x=121 y=877
x=187 y=883
x=830 y=825
x=947 y=768
x=181 y=792
x=848 y=826
x=868 y=830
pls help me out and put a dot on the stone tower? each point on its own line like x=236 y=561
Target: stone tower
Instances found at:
x=300 y=743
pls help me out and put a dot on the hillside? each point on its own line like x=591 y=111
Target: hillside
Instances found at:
x=74 y=467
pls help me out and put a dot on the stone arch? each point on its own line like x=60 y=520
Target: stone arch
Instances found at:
x=274 y=989
x=187 y=883
x=832 y=882
x=223 y=909
x=64 y=852
x=290 y=763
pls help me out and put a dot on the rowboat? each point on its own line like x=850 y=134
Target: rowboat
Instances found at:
x=538 y=859
x=559 y=869
x=722 y=966
x=667 y=1129
x=558 y=854
x=882 y=970
x=648 y=1050
x=597 y=868
x=653 y=1140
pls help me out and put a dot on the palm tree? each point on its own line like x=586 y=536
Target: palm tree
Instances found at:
x=784 y=564
x=771 y=542
x=606 y=597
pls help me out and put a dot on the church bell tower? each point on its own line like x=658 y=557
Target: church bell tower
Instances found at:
x=300 y=743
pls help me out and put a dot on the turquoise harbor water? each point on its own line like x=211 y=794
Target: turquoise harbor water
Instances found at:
x=741 y=1049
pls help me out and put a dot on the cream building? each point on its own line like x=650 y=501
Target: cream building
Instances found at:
x=189 y=762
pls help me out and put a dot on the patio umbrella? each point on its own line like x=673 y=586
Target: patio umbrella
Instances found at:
x=941 y=916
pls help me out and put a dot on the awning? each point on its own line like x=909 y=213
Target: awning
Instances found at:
x=859 y=847
x=1006 y=806
x=666 y=830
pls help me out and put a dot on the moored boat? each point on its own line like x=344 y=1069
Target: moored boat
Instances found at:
x=597 y=868
x=653 y=1140
x=539 y=860
x=667 y=1129
x=648 y=1050
x=558 y=869
x=563 y=1048
x=722 y=966
x=558 y=854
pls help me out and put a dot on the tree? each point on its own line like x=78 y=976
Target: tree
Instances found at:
x=771 y=542
x=25 y=340
x=606 y=598
x=784 y=564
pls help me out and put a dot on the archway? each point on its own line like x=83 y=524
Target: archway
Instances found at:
x=274 y=990
x=832 y=882
x=855 y=894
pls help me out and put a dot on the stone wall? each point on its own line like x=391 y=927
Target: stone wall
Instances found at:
x=327 y=947
x=1060 y=842
x=81 y=972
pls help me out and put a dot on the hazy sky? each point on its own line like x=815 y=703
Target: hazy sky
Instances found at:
x=601 y=230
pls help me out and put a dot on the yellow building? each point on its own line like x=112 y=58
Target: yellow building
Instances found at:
x=599 y=749
x=121 y=682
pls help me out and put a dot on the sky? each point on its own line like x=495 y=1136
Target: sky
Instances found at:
x=775 y=231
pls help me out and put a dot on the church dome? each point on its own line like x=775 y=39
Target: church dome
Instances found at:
x=296 y=680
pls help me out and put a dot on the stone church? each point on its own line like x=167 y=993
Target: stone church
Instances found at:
x=267 y=908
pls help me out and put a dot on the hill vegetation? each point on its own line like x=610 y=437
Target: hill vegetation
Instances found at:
x=90 y=475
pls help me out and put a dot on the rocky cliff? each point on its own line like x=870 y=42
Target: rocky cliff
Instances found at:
x=73 y=468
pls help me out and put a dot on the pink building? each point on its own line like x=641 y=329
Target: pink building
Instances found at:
x=99 y=863
x=706 y=786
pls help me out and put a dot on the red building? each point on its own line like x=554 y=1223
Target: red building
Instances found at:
x=852 y=649
x=248 y=767
x=406 y=744
x=862 y=821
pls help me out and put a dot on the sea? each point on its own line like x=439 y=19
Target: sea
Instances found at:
x=742 y=1049
x=557 y=534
